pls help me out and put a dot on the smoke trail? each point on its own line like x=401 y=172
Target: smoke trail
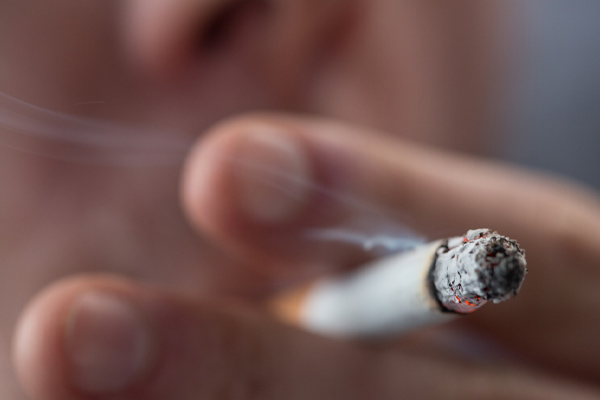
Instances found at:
x=102 y=142
x=105 y=143
x=374 y=230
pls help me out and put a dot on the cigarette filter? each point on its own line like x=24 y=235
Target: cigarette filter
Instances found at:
x=430 y=284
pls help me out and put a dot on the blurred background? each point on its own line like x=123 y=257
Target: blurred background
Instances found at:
x=553 y=115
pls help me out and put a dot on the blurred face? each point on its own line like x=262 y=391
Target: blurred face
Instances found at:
x=413 y=68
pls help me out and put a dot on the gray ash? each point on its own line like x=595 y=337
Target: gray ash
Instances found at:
x=502 y=270
x=478 y=267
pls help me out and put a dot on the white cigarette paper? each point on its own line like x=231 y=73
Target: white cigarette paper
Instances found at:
x=430 y=284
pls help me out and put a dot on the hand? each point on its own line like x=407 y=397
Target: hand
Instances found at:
x=107 y=337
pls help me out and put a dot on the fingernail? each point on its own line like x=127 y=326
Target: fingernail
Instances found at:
x=107 y=344
x=273 y=177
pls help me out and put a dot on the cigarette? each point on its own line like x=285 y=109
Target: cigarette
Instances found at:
x=429 y=284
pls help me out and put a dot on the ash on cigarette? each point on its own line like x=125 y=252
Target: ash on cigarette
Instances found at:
x=478 y=267
x=503 y=269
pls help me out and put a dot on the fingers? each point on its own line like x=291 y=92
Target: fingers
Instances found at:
x=105 y=338
x=259 y=188
x=266 y=188
x=257 y=185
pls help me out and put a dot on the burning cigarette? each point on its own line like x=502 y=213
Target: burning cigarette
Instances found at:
x=430 y=284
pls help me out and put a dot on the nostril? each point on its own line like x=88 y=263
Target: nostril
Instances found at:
x=235 y=21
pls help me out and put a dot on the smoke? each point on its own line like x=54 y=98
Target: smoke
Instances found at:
x=34 y=130
x=375 y=230
x=85 y=140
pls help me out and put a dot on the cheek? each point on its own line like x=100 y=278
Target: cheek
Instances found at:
x=416 y=69
x=377 y=78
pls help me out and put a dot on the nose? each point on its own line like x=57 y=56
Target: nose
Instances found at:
x=274 y=41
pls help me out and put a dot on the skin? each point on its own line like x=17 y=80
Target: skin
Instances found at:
x=400 y=90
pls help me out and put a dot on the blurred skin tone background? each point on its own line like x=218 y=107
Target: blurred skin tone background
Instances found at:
x=145 y=281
